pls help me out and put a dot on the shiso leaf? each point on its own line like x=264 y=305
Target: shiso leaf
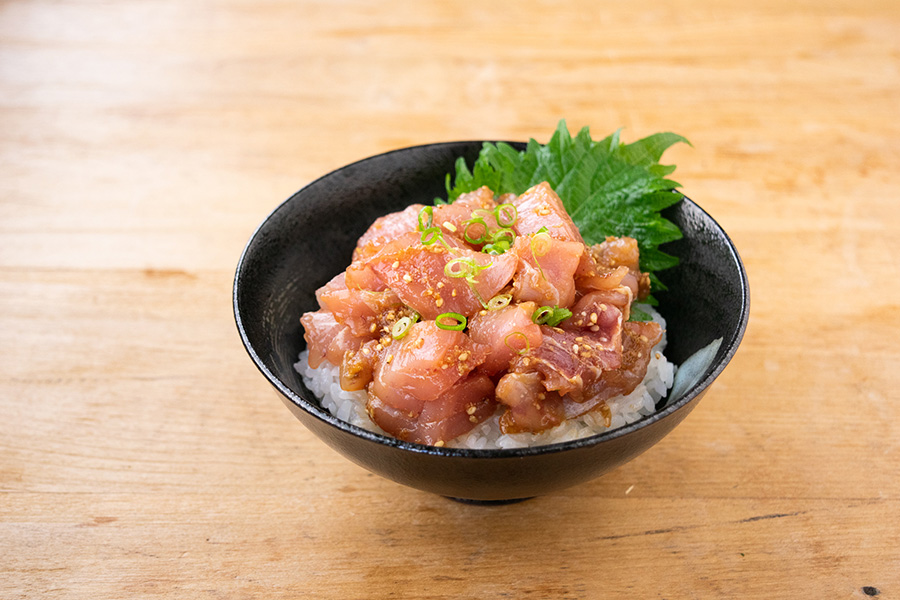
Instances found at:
x=639 y=315
x=609 y=188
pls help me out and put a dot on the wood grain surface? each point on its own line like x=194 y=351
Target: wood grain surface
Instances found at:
x=143 y=456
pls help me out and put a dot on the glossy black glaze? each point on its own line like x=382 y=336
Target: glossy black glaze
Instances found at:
x=310 y=238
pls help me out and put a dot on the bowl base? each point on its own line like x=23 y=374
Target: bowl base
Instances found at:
x=488 y=502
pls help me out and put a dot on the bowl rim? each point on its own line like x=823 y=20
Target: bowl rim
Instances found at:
x=471 y=453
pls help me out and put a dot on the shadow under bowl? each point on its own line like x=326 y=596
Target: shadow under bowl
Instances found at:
x=309 y=239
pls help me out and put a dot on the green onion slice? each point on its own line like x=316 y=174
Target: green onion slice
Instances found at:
x=401 y=328
x=501 y=241
x=559 y=315
x=541 y=243
x=464 y=267
x=426 y=218
x=499 y=301
x=432 y=235
x=524 y=350
x=550 y=315
x=506 y=215
x=457 y=321
x=542 y=315
x=504 y=235
x=475 y=222
x=459 y=267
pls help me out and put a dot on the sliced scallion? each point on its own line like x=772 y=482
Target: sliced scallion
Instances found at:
x=542 y=315
x=501 y=241
x=464 y=267
x=478 y=224
x=524 y=350
x=550 y=315
x=457 y=321
x=506 y=215
x=432 y=235
x=559 y=315
x=541 y=243
x=459 y=267
x=426 y=218
x=401 y=328
x=504 y=235
x=499 y=301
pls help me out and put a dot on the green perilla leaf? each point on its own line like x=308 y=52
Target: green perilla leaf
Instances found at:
x=608 y=188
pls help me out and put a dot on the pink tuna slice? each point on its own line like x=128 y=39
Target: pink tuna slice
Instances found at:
x=594 y=279
x=568 y=360
x=617 y=252
x=548 y=279
x=360 y=276
x=385 y=229
x=506 y=331
x=416 y=273
x=358 y=366
x=615 y=262
x=638 y=340
x=529 y=407
x=357 y=309
x=319 y=329
x=497 y=274
x=422 y=366
x=467 y=403
x=451 y=217
x=540 y=207
x=327 y=339
x=601 y=313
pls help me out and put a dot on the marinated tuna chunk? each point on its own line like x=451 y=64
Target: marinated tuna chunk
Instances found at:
x=484 y=308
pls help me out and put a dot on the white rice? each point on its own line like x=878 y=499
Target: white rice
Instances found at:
x=324 y=382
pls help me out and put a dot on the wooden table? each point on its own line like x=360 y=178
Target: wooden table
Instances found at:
x=141 y=453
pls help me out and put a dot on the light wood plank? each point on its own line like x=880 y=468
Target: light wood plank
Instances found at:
x=142 y=454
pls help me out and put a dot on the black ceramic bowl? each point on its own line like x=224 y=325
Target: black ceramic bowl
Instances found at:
x=310 y=238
